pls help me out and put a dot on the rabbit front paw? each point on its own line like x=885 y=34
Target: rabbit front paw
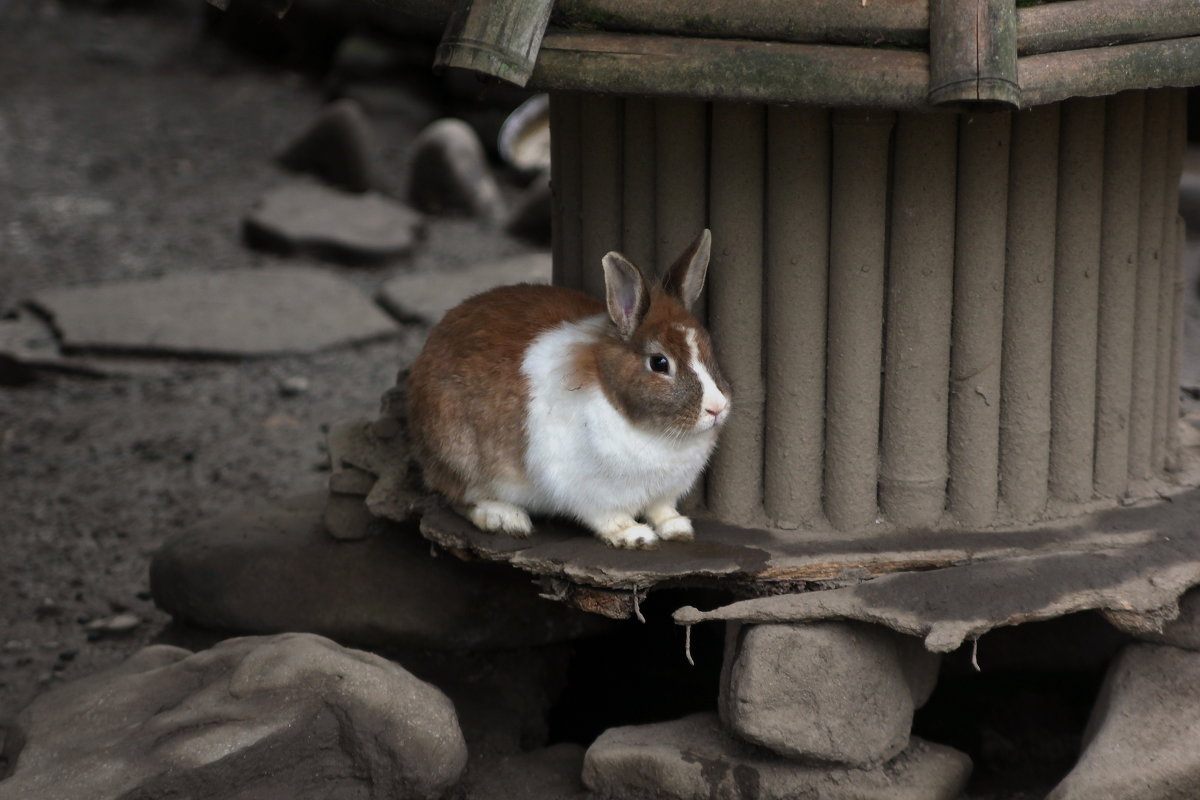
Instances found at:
x=670 y=524
x=495 y=516
x=626 y=533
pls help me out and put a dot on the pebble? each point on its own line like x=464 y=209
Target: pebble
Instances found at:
x=119 y=624
x=293 y=385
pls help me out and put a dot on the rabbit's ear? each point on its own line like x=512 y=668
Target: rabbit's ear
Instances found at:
x=626 y=293
x=685 y=279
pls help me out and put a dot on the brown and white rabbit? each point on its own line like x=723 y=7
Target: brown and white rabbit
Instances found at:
x=533 y=399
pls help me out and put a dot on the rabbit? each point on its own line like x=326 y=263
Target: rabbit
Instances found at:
x=542 y=399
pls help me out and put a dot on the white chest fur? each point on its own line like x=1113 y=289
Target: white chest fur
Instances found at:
x=582 y=455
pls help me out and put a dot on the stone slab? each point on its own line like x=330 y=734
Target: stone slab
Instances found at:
x=307 y=217
x=428 y=296
x=288 y=716
x=1184 y=630
x=828 y=691
x=693 y=758
x=232 y=313
x=276 y=569
x=1137 y=586
x=1142 y=739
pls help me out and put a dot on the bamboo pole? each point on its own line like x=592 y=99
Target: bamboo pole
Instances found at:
x=1054 y=27
x=600 y=171
x=637 y=206
x=1099 y=71
x=1076 y=299
x=1167 y=396
x=737 y=71
x=1179 y=238
x=913 y=458
x=797 y=269
x=858 y=245
x=973 y=52
x=1028 y=313
x=500 y=38
x=565 y=183
x=981 y=216
x=893 y=22
x=735 y=306
x=680 y=180
x=1149 y=273
x=1118 y=260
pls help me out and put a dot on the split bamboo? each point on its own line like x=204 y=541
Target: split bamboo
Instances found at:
x=1107 y=70
x=1149 y=274
x=893 y=22
x=1054 y=27
x=797 y=269
x=732 y=70
x=565 y=177
x=680 y=180
x=1118 y=269
x=913 y=459
x=1076 y=299
x=973 y=52
x=1029 y=313
x=857 y=263
x=735 y=305
x=1166 y=395
x=600 y=184
x=981 y=215
x=637 y=184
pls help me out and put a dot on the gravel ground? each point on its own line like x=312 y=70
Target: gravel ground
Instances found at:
x=131 y=144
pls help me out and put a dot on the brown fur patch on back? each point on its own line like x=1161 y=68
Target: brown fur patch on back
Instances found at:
x=467 y=397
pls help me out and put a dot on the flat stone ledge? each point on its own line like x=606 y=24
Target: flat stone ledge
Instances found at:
x=692 y=757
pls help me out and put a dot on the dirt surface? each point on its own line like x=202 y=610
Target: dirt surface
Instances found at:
x=131 y=144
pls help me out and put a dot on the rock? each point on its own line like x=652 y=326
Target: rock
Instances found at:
x=530 y=216
x=841 y=692
x=276 y=569
x=1184 y=630
x=287 y=716
x=259 y=312
x=336 y=147
x=1141 y=739
x=693 y=758
x=429 y=296
x=449 y=172
x=551 y=773
x=346 y=517
x=334 y=225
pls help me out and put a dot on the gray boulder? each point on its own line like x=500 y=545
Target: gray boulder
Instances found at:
x=693 y=758
x=841 y=692
x=1143 y=739
x=276 y=569
x=292 y=716
x=336 y=148
x=449 y=172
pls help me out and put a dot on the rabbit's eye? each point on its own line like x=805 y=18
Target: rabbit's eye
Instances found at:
x=659 y=363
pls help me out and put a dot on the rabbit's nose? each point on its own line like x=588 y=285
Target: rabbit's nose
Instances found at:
x=714 y=409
